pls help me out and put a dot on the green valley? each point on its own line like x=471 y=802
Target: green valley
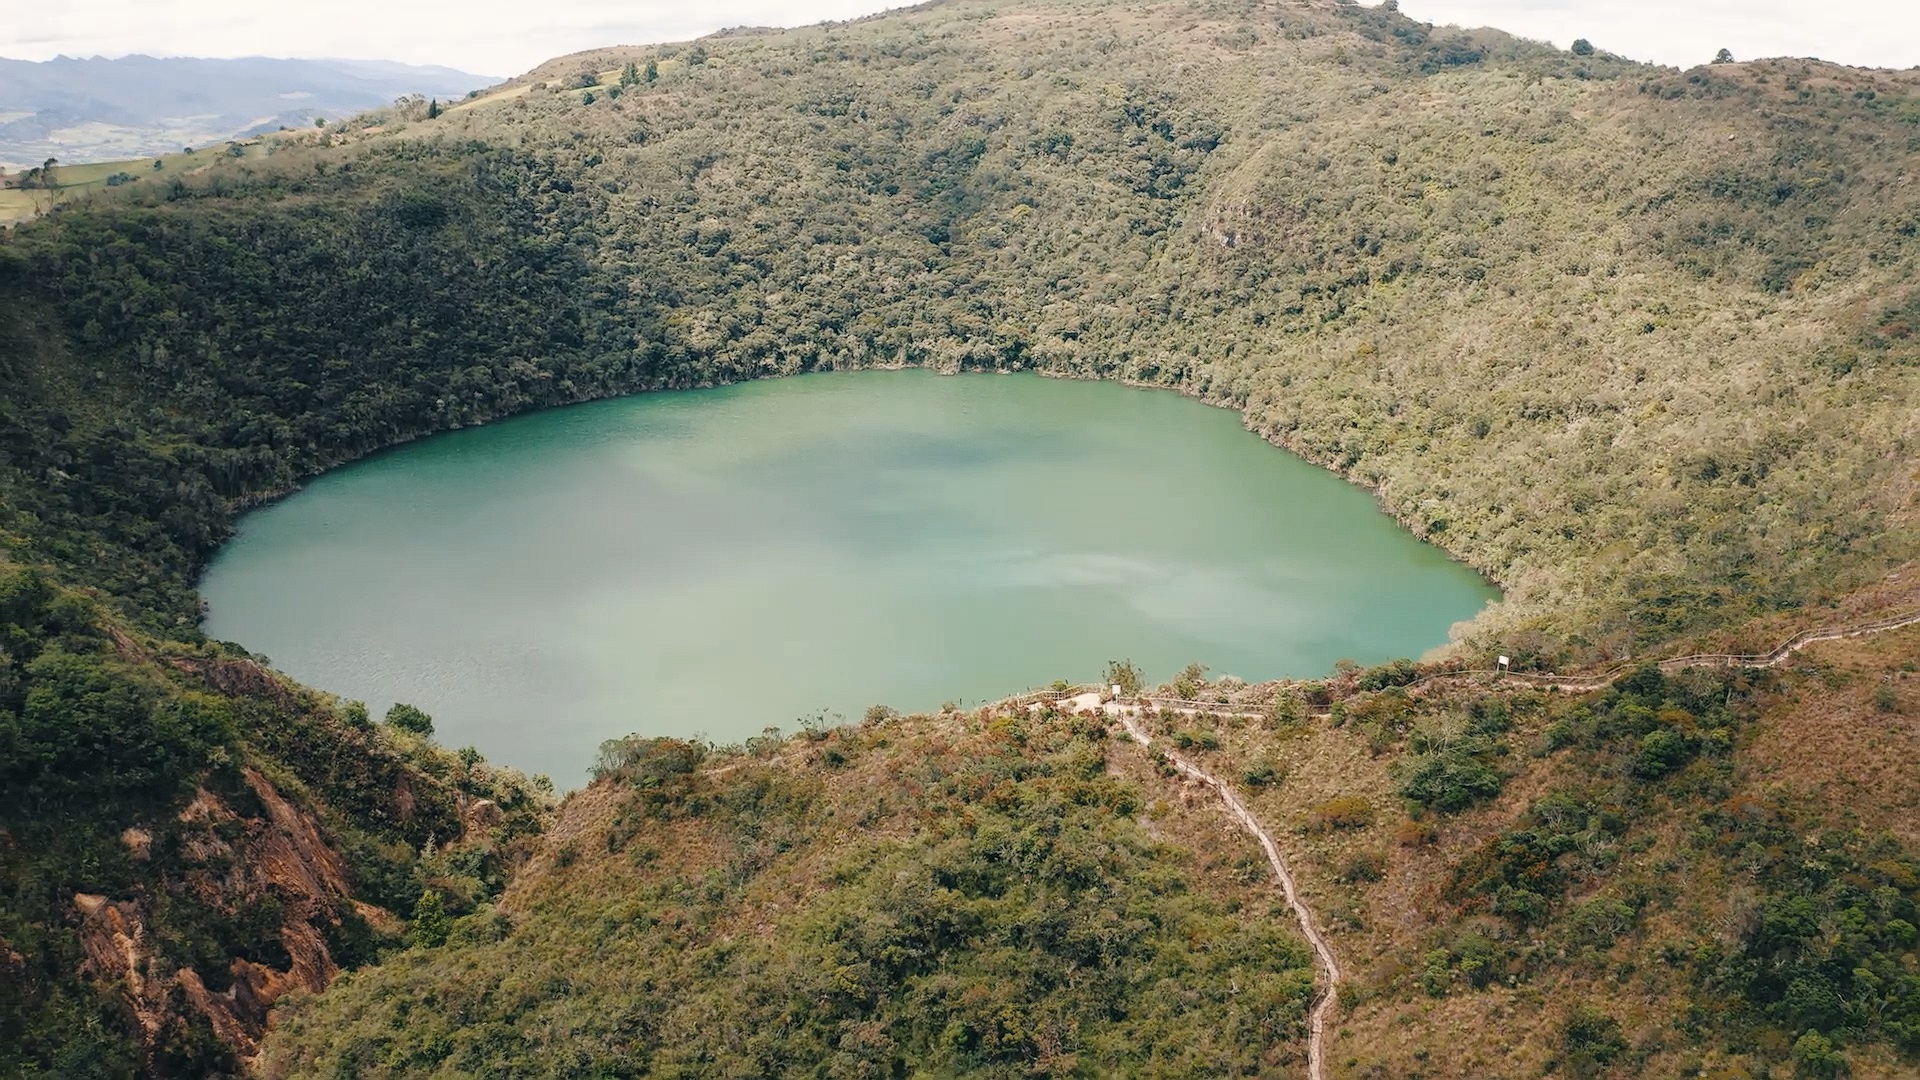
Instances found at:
x=1640 y=345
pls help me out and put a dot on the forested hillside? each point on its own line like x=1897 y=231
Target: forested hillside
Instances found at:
x=1680 y=305
x=1642 y=345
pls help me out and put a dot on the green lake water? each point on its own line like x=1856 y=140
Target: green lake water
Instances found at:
x=717 y=561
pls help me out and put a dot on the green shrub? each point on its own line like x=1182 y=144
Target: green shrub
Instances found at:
x=1190 y=682
x=1838 y=912
x=1591 y=1038
x=1600 y=921
x=1470 y=957
x=1265 y=771
x=430 y=925
x=1815 y=1056
x=1523 y=873
x=647 y=762
x=405 y=717
x=1345 y=812
x=1363 y=866
x=1661 y=752
x=1126 y=676
x=1450 y=780
x=1196 y=738
x=1396 y=673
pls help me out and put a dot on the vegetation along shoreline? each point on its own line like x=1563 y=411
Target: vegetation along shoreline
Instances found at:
x=1642 y=345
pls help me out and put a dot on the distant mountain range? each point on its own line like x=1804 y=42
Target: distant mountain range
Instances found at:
x=98 y=109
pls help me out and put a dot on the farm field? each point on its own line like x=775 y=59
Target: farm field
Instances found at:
x=78 y=181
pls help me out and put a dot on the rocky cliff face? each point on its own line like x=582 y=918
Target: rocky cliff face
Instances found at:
x=271 y=860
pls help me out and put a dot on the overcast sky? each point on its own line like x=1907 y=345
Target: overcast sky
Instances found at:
x=506 y=37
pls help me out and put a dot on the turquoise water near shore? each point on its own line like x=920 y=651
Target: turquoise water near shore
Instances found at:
x=717 y=561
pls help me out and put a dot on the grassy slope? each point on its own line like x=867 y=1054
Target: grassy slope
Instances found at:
x=75 y=182
x=944 y=896
x=162 y=362
x=1707 y=908
x=1657 y=897
x=1639 y=343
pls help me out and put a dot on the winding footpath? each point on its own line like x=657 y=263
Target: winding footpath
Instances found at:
x=1128 y=711
x=1083 y=698
x=1323 y=953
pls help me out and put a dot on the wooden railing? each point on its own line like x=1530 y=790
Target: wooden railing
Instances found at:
x=1590 y=681
x=1049 y=695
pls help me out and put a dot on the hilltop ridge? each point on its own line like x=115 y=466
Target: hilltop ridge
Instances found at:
x=84 y=109
x=1643 y=345
x=1619 y=216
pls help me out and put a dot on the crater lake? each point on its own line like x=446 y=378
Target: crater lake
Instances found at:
x=714 y=562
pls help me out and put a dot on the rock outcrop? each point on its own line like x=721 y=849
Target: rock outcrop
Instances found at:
x=279 y=855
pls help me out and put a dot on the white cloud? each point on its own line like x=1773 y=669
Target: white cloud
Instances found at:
x=1868 y=33
x=510 y=36
x=497 y=37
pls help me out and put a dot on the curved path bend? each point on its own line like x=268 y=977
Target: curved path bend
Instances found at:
x=1090 y=699
x=1322 y=952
